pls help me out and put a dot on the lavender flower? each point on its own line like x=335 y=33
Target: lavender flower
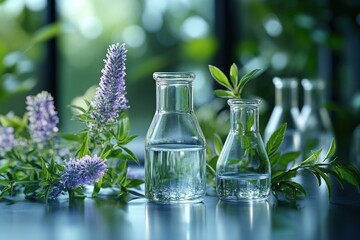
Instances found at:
x=110 y=95
x=83 y=171
x=7 y=139
x=42 y=116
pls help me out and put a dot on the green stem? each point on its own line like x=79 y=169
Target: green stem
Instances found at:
x=71 y=194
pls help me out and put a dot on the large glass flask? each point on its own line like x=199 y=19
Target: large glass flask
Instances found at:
x=286 y=110
x=316 y=124
x=175 y=161
x=243 y=168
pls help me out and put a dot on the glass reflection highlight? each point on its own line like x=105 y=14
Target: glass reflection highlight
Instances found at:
x=243 y=221
x=180 y=221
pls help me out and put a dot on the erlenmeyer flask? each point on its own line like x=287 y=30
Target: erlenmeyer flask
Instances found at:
x=317 y=131
x=243 y=168
x=286 y=110
x=175 y=164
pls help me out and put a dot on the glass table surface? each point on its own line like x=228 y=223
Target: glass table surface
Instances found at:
x=103 y=218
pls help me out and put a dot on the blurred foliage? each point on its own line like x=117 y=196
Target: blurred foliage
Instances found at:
x=20 y=56
x=284 y=38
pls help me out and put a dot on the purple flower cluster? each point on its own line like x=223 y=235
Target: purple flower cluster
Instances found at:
x=7 y=139
x=82 y=171
x=43 y=118
x=110 y=96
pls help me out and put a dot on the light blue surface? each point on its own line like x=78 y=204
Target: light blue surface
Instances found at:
x=317 y=218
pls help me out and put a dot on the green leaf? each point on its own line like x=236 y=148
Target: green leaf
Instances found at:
x=4 y=182
x=70 y=137
x=97 y=187
x=316 y=154
x=349 y=173
x=121 y=176
x=131 y=154
x=220 y=77
x=44 y=170
x=224 y=93
x=326 y=179
x=250 y=123
x=126 y=140
x=218 y=144
x=134 y=183
x=123 y=127
x=82 y=110
x=297 y=187
x=274 y=159
x=245 y=79
x=84 y=148
x=136 y=193
x=4 y=191
x=276 y=139
x=331 y=150
x=288 y=157
x=45 y=33
x=279 y=176
x=234 y=75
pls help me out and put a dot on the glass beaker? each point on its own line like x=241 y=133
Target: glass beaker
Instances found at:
x=175 y=164
x=243 y=168
x=317 y=131
x=286 y=110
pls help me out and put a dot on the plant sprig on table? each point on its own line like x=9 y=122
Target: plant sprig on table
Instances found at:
x=41 y=163
x=283 y=187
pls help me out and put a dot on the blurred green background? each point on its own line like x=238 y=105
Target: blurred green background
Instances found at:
x=59 y=46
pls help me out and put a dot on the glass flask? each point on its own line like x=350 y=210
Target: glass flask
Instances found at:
x=317 y=131
x=175 y=164
x=286 y=110
x=243 y=168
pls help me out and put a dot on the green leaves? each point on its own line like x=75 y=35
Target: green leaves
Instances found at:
x=234 y=87
x=288 y=191
x=275 y=140
x=220 y=77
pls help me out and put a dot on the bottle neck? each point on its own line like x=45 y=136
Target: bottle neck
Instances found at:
x=286 y=90
x=314 y=98
x=286 y=97
x=174 y=96
x=244 y=115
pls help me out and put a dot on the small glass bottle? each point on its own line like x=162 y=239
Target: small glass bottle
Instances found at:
x=243 y=168
x=175 y=164
x=316 y=124
x=286 y=110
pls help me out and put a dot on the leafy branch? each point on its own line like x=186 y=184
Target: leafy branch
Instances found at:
x=234 y=85
x=283 y=187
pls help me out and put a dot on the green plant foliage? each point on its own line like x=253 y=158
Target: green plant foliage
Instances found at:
x=283 y=186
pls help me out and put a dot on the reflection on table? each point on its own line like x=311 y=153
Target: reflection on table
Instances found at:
x=104 y=218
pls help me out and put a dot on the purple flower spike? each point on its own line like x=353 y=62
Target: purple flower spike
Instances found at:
x=110 y=96
x=83 y=171
x=7 y=139
x=42 y=116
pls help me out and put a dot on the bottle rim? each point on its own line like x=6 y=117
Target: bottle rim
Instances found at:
x=174 y=76
x=253 y=101
x=289 y=82
x=312 y=84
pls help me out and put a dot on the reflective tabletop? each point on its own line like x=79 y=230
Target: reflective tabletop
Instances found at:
x=315 y=218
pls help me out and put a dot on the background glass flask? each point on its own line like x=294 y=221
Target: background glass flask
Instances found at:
x=175 y=164
x=286 y=110
x=316 y=124
x=243 y=168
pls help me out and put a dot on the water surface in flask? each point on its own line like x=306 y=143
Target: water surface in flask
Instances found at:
x=175 y=173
